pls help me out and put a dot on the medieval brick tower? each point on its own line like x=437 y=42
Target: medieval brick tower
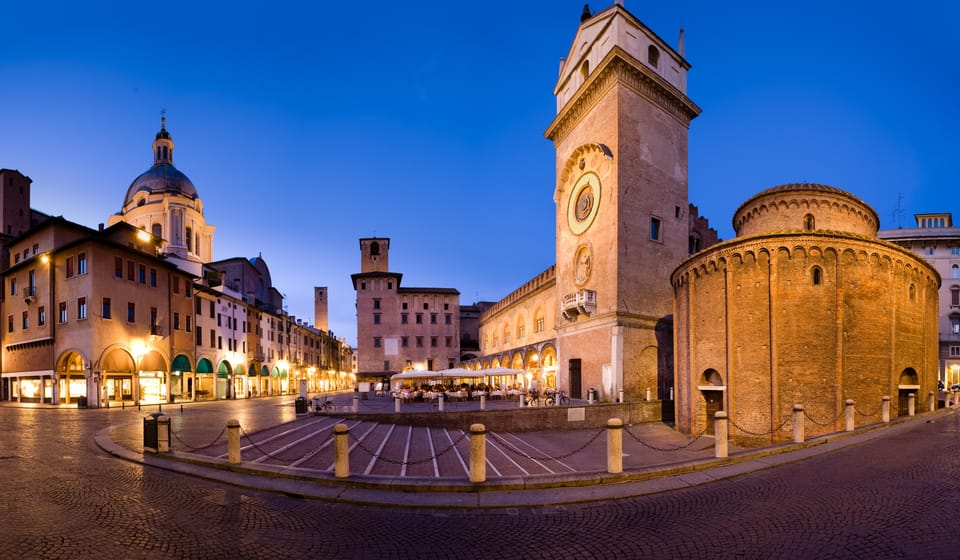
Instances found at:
x=621 y=203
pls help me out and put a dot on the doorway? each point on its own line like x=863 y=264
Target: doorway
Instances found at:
x=576 y=383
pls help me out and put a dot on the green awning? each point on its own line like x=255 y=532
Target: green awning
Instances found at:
x=181 y=363
x=204 y=366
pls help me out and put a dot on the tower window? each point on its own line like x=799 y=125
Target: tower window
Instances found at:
x=653 y=56
x=189 y=237
x=809 y=223
x=374 y=249
x=816 y=275
x=655 y=227
x=913 y=292
x=157 y=230
x=955 y=271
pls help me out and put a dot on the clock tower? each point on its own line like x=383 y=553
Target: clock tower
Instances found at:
x=621 y=204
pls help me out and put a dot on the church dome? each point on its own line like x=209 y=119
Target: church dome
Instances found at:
x=163 y=177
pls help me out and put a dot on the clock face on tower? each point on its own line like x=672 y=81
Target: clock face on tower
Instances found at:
x=584 y=202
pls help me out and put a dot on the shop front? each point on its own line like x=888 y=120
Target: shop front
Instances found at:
x=72 y=381
x=205 y=381
x=181 y=379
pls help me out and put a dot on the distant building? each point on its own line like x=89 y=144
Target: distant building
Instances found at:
x=937 y=240
x=400 y=328
x=470 y=329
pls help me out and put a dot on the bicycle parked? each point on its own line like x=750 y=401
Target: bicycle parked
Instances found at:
x=326 y=407
x=558 y=397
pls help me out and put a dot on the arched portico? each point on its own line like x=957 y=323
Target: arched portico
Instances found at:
x=264 y=381
x=205 y=380
x=118 y=372
x=181 y=379
x=224 y=375
x=72 y=382
x=151 y=375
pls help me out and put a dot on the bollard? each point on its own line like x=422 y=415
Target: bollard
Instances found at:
x=396 y=404
x=911 y=404
x=181 y=409
x=885 y=409
x=798 y=434
x=849 y=410
x=483 y=402
x=440 y=402
x=621 y=396
x=478 y=453
x=720 y=433
x=520 y=399
x=341 y=447
x=233 y=442
x=933 y=402
x=648 y=394
x=356 y=403
x=614 y=446
x=163 y=434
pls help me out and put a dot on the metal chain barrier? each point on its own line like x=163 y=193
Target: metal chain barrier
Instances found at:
x=509 y=447
x=874 y=413
x=201 y=448
x=655 y=448
x=824 y=424
x=436 y=455
x=243 y=433
x=761 y=434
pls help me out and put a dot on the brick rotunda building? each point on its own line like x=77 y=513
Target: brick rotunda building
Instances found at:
x=804 y=306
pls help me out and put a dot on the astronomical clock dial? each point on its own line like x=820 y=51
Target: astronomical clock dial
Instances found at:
x=584 y=202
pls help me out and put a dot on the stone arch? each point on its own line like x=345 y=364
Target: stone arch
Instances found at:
x=572 y=165
x=711 y=397
x=71 y=369
x=909 y=377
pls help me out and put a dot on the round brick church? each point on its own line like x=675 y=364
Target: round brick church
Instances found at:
x=804 y=306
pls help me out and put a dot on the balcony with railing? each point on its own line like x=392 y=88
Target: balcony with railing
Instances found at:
x=581 y=302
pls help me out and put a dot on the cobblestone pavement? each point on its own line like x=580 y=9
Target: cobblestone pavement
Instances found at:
x=893 y=496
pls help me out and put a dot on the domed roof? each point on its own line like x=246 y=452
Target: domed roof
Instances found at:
x=163 y=177
x=805 y=207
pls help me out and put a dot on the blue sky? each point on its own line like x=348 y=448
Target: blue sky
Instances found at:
x=306 y=126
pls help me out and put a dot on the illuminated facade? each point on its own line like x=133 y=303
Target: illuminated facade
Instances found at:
x=937 y=240
x=804 y=306
x=163 y=201
x=400 y=328
x=601 y=318
x=92 y=315
x=138 y=313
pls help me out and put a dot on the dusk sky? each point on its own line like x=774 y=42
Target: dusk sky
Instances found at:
x=306 y=126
